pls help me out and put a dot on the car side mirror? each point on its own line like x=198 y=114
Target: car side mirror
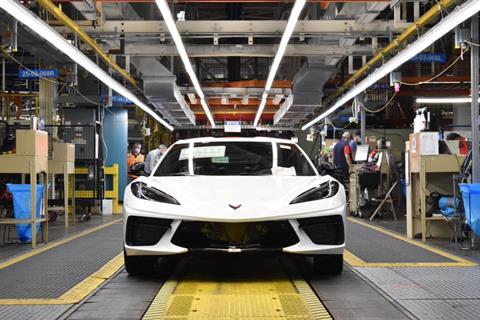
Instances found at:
x=325 y=168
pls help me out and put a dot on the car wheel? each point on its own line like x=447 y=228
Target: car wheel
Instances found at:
x=138 y=265
x=331 y=264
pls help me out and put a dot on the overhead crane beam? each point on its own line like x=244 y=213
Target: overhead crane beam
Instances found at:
x=243 y=27
x=75 y=28
x=299 y=50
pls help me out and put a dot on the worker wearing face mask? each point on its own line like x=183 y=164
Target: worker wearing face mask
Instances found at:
x=134 y=156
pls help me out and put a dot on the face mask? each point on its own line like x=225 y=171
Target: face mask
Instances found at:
x=137 y=150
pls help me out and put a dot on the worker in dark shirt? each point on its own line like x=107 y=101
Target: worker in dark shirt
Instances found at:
x=342 y=154
x=356 y=141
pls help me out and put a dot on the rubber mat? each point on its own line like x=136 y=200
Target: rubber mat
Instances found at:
x=230 y=288
x=373 y=246
x=431 y=293
x=32 y=312
x=51 y=273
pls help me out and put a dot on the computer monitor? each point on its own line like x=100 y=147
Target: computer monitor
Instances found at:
x=362 y=153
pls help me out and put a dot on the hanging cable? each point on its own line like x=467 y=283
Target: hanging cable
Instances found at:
x=50 y=80
x=339 y=129
x=460 y=57
x=472 y=44
x=382 y=108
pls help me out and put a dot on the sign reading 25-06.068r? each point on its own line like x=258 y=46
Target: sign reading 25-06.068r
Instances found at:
x=37 y=73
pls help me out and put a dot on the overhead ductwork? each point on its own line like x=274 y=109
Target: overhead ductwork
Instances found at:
x=309 y=81
x=86 y=8
x=159 y=85
x=160 y=89
x=307 y=90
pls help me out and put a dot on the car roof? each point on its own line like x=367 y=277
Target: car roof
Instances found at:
x=243 y=139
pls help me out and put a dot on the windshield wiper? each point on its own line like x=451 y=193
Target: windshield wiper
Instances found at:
x=184 y=173
x=257 y=172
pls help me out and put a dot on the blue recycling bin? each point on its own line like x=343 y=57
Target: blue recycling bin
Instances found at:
x=22 y=208
x=471 y=202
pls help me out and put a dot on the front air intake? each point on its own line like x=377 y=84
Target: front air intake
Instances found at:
x=145 y=231
x=327 y=230
x=273 y=235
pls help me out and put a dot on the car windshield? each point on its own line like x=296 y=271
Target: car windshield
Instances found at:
x=232 y=158
x=235 y=158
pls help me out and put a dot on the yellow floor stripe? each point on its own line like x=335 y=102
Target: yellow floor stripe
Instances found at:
x=54 y=244
x=355 y=261
x=79 y=291
x=236 y=291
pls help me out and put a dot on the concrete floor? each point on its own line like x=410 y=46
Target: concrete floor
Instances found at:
x=366 y=291
x=56 y=230
x=399 y=226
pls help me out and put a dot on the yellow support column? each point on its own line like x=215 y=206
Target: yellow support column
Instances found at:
x=113 y=193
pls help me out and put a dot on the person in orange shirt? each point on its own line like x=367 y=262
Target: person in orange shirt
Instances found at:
x=133 y=157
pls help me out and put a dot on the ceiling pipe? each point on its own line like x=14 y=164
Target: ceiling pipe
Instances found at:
x=69 y=23
x=401 y=39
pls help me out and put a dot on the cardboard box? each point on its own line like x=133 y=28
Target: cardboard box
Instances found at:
x=64 y=152
x=424 y=144
x=32 y=143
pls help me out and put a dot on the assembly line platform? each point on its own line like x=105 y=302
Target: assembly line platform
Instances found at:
x=81 y=276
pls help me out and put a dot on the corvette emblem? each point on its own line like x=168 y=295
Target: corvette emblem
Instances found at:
x=234 y=207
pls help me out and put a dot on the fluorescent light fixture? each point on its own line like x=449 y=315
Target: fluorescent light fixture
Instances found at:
x=177 y=39
x=22 y=14
x=445 y=100
x=457 y=16
x=263 y=102
x=209 y=114
x=292 y=21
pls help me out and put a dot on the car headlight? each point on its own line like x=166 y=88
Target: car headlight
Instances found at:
x=142 y=191
x=325 y=190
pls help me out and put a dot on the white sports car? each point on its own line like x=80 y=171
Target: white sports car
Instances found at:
x=234 y=195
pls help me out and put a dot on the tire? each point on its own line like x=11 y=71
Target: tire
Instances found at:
x=138 y=265
x=331 y=264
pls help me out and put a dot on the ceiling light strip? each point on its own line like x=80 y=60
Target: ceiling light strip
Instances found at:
x=25 y=16
x=177 y=39
x=444 y=100
x=282 y=47
x=457 y=16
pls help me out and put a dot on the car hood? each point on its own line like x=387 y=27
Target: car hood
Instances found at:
x=227 y=198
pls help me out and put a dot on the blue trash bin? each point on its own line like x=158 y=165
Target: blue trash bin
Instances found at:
x=471 y=202
x=22 y=208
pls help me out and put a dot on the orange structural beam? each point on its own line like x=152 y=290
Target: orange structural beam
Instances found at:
x=232 y=112
x=433 y=93
x=249 y=84
x=445 y=79
x=324 y=5
x=233 y=117
x=238 y=102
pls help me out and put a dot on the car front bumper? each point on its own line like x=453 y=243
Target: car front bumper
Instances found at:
x=304 y=246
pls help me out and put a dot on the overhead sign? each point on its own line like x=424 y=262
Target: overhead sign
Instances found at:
x=37 y=73
x=117 y=99
x=430 y=57
x=232 y=126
